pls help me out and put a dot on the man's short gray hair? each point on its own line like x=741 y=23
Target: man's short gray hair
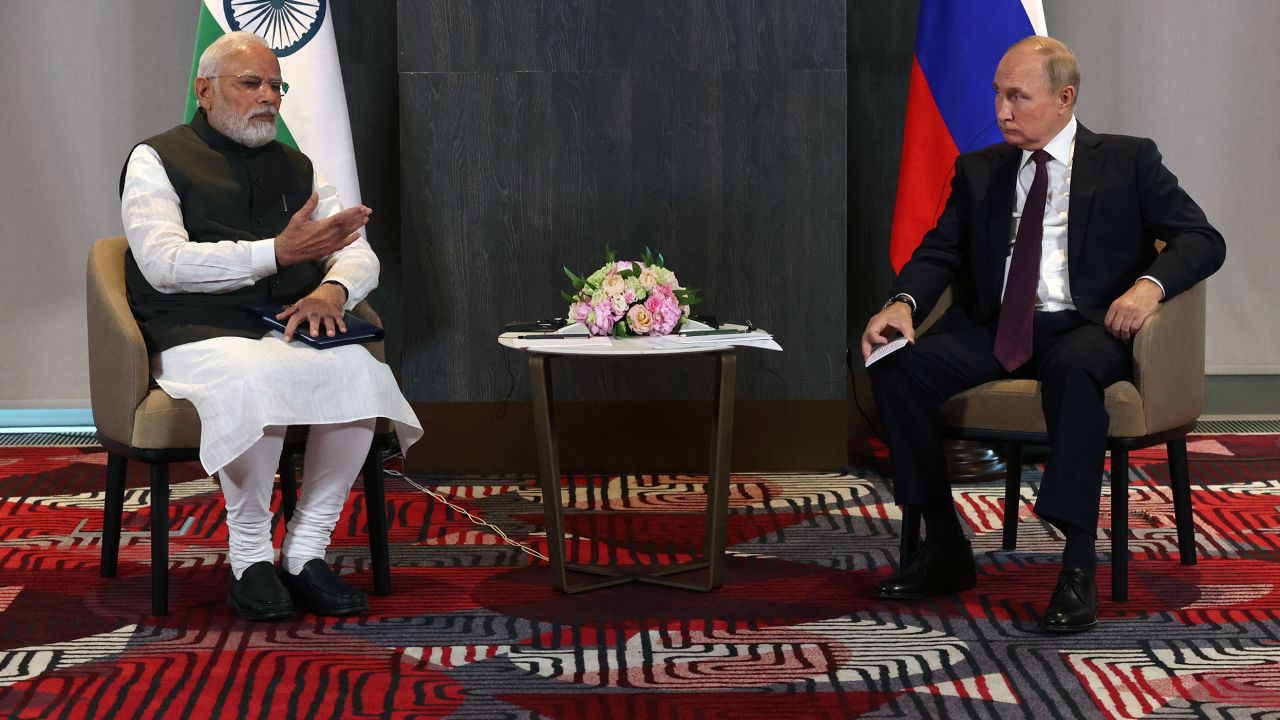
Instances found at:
x=1060 y=66
x=212 y=57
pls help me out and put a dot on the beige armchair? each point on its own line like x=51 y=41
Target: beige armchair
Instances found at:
x=1160 y=405
x=136 y=420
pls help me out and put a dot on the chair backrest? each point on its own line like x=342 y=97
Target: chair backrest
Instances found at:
x=119 y=370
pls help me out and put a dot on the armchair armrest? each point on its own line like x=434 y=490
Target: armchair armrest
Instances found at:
x=1168 y=361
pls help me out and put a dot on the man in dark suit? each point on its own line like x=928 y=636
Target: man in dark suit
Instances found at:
x=1057 y=298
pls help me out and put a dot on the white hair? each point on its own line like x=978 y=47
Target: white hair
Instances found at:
x=212 y=57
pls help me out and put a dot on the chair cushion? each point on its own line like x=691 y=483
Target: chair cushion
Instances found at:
x=1015 y=406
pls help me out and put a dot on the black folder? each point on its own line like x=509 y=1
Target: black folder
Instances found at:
x=358 y=331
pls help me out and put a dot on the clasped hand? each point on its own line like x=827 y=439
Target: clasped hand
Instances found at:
x=321 y=310
x=306 y=239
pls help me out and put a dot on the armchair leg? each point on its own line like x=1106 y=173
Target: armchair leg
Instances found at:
x=1180 y=479
x=1120 y=525
x=160 y=539
x=112 y=513
x=1012 y=495
x=375 y=506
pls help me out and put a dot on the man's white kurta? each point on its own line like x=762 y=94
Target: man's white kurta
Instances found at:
x=240 y=386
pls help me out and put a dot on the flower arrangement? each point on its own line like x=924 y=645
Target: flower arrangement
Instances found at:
x=629 y=297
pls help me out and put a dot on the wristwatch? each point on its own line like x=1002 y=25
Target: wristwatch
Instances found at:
x=899 y=298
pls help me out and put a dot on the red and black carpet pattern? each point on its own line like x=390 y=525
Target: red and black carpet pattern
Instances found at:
x=473 y=629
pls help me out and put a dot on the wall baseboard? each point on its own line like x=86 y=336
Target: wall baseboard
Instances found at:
x=630 y=437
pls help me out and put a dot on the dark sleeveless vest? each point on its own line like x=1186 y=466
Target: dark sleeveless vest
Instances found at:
x=228 y=192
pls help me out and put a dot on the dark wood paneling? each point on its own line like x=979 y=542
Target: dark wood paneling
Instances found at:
x=536 y=132
x=737 y=178
x=621 y=35
x=881 y=47
x=365 y=32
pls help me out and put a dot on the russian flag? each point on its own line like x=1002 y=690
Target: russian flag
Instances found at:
x=950 y=103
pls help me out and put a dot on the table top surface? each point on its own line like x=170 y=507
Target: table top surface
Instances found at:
x=616 y=347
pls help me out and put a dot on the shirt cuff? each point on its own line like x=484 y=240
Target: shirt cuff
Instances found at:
x=262 y=253
x=339 y=283
x=1159 y=284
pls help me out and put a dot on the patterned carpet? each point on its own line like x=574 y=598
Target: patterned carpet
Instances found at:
x=474 y=631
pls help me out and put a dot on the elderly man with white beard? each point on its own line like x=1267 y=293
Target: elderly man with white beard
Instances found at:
x=220 y=219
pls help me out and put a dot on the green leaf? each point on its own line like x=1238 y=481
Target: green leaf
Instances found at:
x=577 y=281
x=620 y=328
x=568 y=297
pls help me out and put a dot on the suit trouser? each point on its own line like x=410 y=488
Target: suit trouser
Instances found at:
x=1074 y=359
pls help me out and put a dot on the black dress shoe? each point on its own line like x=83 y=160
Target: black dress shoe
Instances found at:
x=1074 y=605
x=258 y=594
x=938 y=569
x=319 y=589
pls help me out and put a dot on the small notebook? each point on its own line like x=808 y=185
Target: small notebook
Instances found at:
x=358 y=331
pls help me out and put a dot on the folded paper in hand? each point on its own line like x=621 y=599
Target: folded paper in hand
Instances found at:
x=358 y=331
x=889 y=347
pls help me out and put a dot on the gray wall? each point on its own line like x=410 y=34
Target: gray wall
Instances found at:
x=1199 y=76
x=82 y=82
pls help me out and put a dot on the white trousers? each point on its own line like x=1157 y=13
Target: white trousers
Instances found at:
x=334 y=455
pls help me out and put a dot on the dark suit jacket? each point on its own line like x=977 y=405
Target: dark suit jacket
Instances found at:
x=1122 y=200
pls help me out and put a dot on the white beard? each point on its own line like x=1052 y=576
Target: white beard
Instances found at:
x=242 y=129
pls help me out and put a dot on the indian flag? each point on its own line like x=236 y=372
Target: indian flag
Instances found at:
x=313 y=116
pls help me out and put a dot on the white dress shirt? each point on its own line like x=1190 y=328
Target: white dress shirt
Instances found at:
x=152 y=215
x=1054 y=290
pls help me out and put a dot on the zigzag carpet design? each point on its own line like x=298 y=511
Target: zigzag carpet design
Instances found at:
x=473 y=629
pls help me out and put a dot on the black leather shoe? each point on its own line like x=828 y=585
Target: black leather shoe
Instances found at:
x=1074 y=605
x=258 y=594
x=938 y=569
x=319 y=589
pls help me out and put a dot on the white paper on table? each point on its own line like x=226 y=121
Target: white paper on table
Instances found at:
x=755 y=338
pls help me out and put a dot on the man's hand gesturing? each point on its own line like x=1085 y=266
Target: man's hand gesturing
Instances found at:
x=307 y=239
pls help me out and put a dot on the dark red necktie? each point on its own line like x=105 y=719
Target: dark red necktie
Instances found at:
x=1013 y=333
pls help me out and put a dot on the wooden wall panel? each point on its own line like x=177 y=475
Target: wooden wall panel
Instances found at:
x=365 y=32
x=533 y=133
